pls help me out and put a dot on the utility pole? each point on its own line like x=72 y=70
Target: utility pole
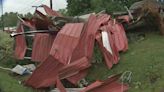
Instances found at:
x=2 y=18
x=51 y=4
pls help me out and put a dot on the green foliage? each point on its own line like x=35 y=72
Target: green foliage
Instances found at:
x=9 y=84
x=6 y=49
x=77 y=7
x=97 y=55
x=28 y=15
x=10 y=19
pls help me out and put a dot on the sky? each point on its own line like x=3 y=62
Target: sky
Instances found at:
x=24 y=6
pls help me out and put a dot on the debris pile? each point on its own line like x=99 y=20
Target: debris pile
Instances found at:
x=64 y=47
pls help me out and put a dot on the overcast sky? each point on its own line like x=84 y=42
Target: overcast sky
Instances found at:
x=24 y=6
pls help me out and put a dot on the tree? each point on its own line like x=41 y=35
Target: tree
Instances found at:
x=77 y=7
x=10 y=19
x=28 y=15
x=63 y=12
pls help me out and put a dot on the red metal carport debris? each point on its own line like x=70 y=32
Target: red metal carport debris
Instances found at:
x=68 y=54
x=66 y=41
x=40 y=79
x=119 y=35
x=41 y=46
x=20 y=43
x=73 y=45
x=112 y=84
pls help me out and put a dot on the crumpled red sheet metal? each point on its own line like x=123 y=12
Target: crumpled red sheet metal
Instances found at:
x=41 y=21
x=113 y=45
x=71 y=54
x=85 y=47
x=110 y=58
x=110 y=85
x=74 y=72
x=29 y=23
x=119 y=36
x=76 y=78
x=74 y=68
x=51 y=12
x=107 y=56
x=43 y=76
x=48 y=72
x=69 y=34
x=41 y=46
x=40 y=15
x=66 y=41
x=87 y=40
x=103 y=19
x=20 y=43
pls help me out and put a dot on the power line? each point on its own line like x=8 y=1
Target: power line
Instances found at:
x=2 y=20
x=38 y=2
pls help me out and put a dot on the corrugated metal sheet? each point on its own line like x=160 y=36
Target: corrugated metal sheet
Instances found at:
x=28 y=23
x=43 y=76
x=42 y=22
x=71 y=53
x=113 y=45
x=87 y=40
x=20 y=43
x=76 y=78
x=41 y=46
x=74 y=68
x=40 y=15
x=107 y=56
x=119 y=36
x=66 y=41
x=103 y=19
x=46 y=74
x=51 y=12
x=110 y=58
x=109 y=85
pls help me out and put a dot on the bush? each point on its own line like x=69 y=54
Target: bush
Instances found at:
x=6 y=50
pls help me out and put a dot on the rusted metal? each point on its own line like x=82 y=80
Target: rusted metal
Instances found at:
x=51 y=12
x=103 y=19
x=119 y=35
x=20 y=43
x=66 y=41
x=64 y=46
x=41 y=46
x=107 y=56
x=67 y=68
x=110 y=58
x=27 y=22
x=110 y=85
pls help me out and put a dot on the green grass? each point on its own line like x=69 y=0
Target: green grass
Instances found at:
x=9 y=84
x=145 y=59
